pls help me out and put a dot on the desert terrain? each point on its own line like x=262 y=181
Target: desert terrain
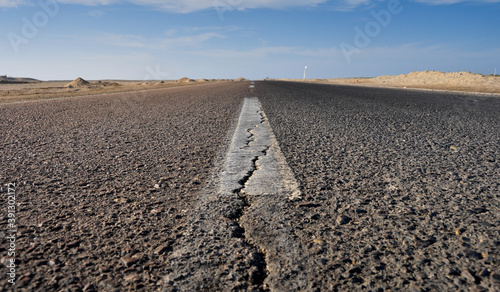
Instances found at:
x=27 y=89
x=453 y=81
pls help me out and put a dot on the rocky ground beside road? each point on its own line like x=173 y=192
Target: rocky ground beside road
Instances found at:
x=104 y=184
x=401 y=188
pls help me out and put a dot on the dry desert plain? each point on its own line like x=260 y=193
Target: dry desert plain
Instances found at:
x=18 y=90
x=24 y=89
x=453 y=81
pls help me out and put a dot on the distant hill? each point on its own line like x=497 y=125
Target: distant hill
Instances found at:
x=5 y=79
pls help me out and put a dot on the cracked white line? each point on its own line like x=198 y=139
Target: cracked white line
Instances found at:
x=253 y=138
x=239 y=232
x=256 y=171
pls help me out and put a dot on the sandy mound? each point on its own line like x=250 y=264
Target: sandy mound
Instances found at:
x=240 y=79
x=77 y=83
x=185 y=80
x=462 y=79
x=456 y=81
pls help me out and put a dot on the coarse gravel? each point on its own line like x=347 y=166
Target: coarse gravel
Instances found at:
x=401 y=187
x=104 y=183
x=400 y=191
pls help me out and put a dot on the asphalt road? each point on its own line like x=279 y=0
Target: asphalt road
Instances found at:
x=104 y=182
x=400 y=191
x=403 y=185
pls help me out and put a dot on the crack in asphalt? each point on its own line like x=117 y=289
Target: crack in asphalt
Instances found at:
x=265 y=189
x=258 y=276
x=239 y=236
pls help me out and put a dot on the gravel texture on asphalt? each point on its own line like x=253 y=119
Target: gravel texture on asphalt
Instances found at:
x=104 y=183
x=239 y=238
x=401 y=187
x=400 y=191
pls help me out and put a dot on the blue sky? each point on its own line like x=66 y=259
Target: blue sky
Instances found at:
x=170 y=39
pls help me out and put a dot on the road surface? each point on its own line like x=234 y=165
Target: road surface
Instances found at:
x=301 y=188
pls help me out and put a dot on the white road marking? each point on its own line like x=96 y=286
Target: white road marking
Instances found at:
x=243 y=210
x=254 y=150
x=256 y=170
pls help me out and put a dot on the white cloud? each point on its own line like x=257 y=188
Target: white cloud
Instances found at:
x=187 y=6
x=12 y=3
x=129 y=41
x=257 y=53
x=135 y=41
x=447 y=2
x=184 y=6
x=89 y=2
x=187 y=41
x=96 y=13
x=349 y=5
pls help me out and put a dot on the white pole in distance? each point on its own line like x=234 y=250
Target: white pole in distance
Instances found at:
x=305 y=69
